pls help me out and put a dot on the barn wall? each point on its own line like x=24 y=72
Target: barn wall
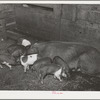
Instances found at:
x=81 y=23
x=60 y=22
x=7 y=18
x=7 y=12
x=42 y=21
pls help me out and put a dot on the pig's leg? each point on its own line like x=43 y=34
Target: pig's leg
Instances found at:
x=42 y=75
x=68 y=74
x=7 y=64
x=59 y=78
x=1 y=66
x=33 y=69
x=25 y=67
x=41 y=78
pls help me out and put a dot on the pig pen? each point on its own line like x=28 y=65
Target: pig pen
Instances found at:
x=16 y=79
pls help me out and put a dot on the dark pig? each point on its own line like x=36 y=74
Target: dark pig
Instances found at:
x=51 y=69
x=70 y=52
x=58 y=60
x=16 y=51
x=7 y=60
x=89 y=63
x=40 y=62
x=66 y=50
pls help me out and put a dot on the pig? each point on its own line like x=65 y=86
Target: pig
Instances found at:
x=7 y=60
x=24 y=42
x=73 y=64
x=89 y=63
x=51 y=69
x=58 y=60
x=16 y=51
x=65 y=50
x=40 y=62
x=27 y=60
x=70 y=52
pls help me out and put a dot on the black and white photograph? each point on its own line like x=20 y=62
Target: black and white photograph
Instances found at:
x=49 y=47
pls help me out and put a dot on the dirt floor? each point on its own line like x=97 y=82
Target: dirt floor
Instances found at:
x=16 y=79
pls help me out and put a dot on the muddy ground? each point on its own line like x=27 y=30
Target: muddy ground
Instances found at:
x=16 y=79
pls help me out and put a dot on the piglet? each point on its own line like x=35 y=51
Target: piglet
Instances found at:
x=52 y=69
x=38 y=63
x=7 y=60
x=16 y=51
x=58 y=60
x=27 y=60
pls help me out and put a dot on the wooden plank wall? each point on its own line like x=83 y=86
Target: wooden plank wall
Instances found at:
x=42 y=21
x=65 y=22
x=7 y=19
x=7 y=12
